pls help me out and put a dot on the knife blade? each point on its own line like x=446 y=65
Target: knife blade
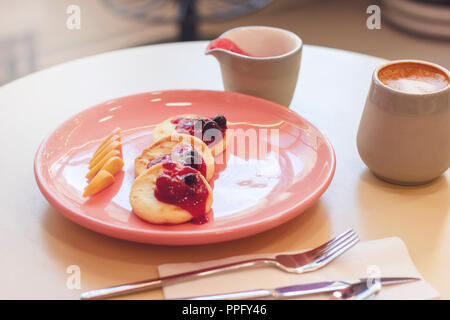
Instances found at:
x=359 y=291
x=299 y=290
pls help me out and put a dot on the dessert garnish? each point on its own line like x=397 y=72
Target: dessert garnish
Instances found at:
x=183 y=149
x=183 y=187
x=104 y=164
x=170 y=193
x=206 y=129
x=212 y=131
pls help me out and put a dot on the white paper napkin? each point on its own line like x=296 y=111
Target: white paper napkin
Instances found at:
x=387 y=257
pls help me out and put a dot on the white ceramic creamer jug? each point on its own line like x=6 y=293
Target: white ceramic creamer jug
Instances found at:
x=259 y=61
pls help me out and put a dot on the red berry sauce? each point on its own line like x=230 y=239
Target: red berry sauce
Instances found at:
x=186 y=125
x=206 y=129
x=185 y=155
x=181 y=186
x=226 y=44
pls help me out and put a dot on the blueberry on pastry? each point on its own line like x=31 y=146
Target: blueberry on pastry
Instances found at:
x=212 y=131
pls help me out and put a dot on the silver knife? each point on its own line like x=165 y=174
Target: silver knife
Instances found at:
x=299 y=290
x=359 y=291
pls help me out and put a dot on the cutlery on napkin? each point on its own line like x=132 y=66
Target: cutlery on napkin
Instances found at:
x=386 y=257
x=298 y=262
x=341 y=290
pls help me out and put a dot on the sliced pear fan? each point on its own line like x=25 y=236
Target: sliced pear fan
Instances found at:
x=101 y=180
x=101 y=163
x=115 y=145
x=104 y=164
x=115 y=134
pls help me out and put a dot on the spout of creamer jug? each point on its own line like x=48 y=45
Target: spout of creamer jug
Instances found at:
x=221 y=47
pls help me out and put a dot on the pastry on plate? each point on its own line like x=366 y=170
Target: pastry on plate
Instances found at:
x=180 y=148
x=169 y=193
x=212 y=131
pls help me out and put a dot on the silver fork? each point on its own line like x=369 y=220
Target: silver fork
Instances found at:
x=294 y=263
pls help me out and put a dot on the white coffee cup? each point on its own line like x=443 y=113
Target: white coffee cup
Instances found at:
x=404 y=137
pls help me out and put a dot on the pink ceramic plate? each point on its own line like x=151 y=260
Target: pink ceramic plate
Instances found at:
x=282 y=166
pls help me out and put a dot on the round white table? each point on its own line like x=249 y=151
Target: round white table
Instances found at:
x=39 y=247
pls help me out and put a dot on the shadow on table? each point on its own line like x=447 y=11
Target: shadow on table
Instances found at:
x=119 y=259
x=415 y=213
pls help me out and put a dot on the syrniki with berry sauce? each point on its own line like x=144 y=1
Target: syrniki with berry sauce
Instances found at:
x=212 y=131
x=170 y=193
x=183 y=149
x=172 y=175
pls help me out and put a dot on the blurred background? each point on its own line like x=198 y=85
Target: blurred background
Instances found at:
x=34 y=33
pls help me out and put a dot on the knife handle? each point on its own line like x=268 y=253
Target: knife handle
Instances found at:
x=242 y=295
x=159 y=282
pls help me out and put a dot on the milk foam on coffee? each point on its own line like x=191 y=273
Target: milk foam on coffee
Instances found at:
x=412 y=77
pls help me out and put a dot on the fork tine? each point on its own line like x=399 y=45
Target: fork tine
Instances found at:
x=330 y=242
x=335 y=244
x=330 y=256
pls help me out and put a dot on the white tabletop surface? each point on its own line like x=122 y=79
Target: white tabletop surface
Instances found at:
x=38 y=245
